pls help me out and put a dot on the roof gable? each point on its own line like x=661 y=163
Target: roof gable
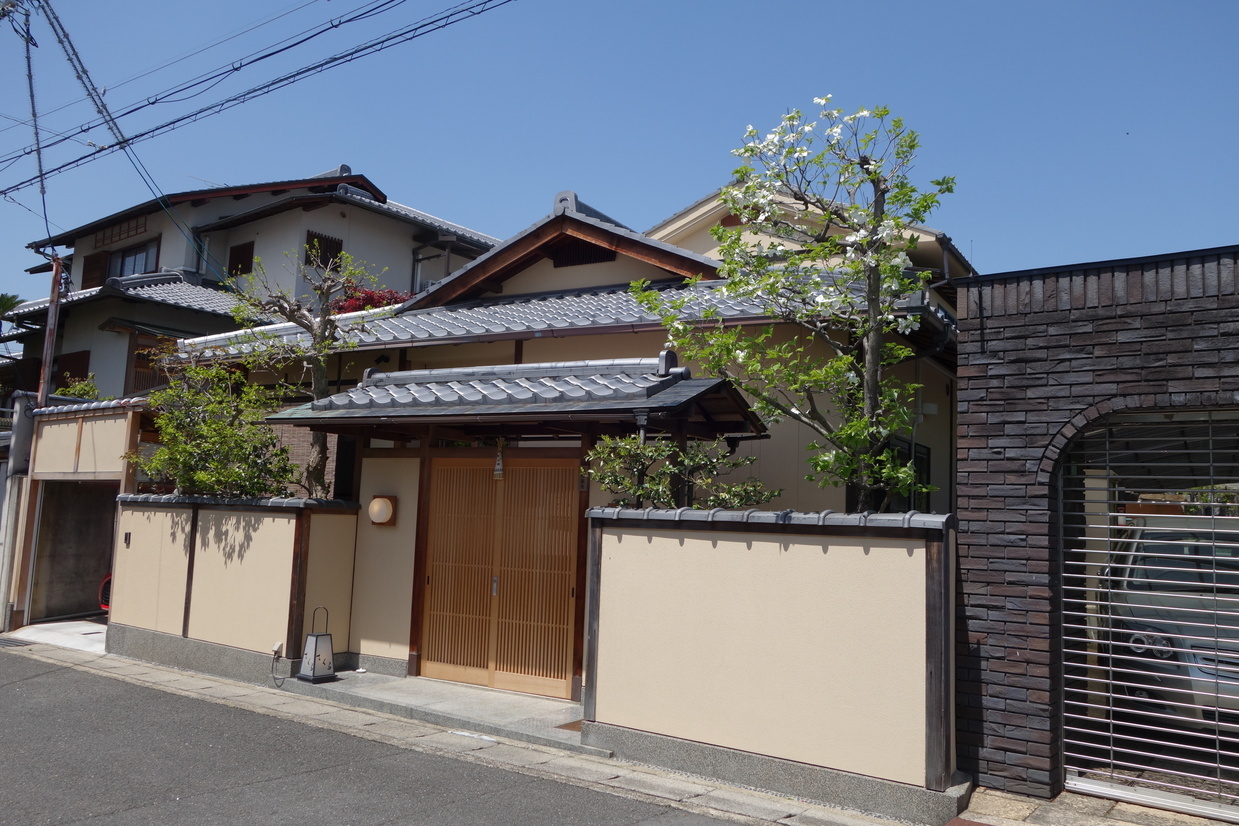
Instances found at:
x=573 y=233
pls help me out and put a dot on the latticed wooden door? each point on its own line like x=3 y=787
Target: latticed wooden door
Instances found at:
x=501 y=566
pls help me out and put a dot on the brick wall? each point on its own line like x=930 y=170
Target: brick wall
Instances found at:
x=1043 y=355
x=297 y=440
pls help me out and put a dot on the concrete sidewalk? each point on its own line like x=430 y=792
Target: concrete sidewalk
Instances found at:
x=535 y=735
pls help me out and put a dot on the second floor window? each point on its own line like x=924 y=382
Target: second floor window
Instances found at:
x=322 y=250
x=100 y=266
x=241 y=259
x=134 y=260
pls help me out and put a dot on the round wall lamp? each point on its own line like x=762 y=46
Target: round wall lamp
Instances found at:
x=382 y=510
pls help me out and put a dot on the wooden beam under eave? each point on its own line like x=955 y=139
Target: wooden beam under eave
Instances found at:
x=519 y=255
x=633 y=248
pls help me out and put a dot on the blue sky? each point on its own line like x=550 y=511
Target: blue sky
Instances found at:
x=1077 y=131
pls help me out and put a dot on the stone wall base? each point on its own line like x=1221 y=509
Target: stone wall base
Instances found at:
x=869 y=795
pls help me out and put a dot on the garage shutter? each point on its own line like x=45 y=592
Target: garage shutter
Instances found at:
x=1149 y=516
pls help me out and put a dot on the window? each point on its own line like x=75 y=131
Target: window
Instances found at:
x=241 y=259
x=98 y=267
x=905 y=451
x=134 y=260
x=322 y=250
x=119 y=232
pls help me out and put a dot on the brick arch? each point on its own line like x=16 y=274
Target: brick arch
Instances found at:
x=1100 y=411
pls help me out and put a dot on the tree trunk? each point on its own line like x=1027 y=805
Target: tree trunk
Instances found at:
x=316 y=466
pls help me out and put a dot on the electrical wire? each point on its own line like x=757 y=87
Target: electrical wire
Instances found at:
x=92 y=92
x=170 y=63
x=34 y=121
x=206 y=81
x=444 y=19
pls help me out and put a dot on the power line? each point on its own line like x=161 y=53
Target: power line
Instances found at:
x=34 y=118
x=444 y=19
x=168 y=64
x=92 y=92
x=204 y=82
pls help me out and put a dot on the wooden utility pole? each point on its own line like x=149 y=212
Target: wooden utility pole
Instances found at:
x=49 y=333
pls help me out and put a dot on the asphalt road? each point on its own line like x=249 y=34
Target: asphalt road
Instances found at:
x=82 y=748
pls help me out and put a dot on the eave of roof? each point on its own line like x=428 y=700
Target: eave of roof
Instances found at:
x=584 y=391
x=322 y=184
x=390 y=209
x=169 y=289
x=1108 y=264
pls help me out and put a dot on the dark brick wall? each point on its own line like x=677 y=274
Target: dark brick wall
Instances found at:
x=1043 y=355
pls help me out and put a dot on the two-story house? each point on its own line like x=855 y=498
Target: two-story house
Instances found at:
x=161 y=269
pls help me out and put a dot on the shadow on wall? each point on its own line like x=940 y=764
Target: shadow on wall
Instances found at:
x=232 y=535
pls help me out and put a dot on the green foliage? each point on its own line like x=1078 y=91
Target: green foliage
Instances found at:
x=826 y=211
x=8 y=301
x=214 y=440
x=318 y=286
x=649 y=474
x=79 y=389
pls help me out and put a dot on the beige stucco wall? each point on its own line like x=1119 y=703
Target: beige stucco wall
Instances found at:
x=813 y=651
x=105 y=440
x=242 y=578
x=383 y=572
x=545 y=276
x=88 y=445
x=55 y=448
x=149 y=570
x=329 y=575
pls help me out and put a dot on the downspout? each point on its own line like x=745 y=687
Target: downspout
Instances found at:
x=447 y=252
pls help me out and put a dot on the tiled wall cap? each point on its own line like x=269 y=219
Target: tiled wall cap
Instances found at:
x=273 y=502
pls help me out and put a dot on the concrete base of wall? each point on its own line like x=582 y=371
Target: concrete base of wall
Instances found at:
x=195 y=655
x=375 y=665
x=834 y=788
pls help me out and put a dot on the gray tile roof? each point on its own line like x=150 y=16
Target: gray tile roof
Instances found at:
x=541 y=390
x=539 y=315
x=159 y=288
x=426 y=218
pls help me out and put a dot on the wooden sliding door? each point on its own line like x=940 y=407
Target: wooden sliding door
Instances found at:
x=501 y=568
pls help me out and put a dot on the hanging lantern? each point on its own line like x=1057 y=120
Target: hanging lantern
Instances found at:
x=499 y=459
x=318 y=662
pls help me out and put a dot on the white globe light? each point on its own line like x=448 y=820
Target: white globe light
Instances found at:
x=380 y=510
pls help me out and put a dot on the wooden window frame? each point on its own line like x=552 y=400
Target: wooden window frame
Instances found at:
x=241 y=259
x=329 y=250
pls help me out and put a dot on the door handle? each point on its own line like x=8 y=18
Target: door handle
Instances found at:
x=494 y=586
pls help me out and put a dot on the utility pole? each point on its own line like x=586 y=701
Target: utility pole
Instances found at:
x=49 y=333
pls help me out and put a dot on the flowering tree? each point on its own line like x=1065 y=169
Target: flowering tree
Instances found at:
x=825 y=211
x=327 y=282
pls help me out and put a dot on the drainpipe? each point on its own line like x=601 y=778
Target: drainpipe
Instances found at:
x=446 y=238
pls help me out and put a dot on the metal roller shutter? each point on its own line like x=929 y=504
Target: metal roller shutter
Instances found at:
x=1149 y=532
